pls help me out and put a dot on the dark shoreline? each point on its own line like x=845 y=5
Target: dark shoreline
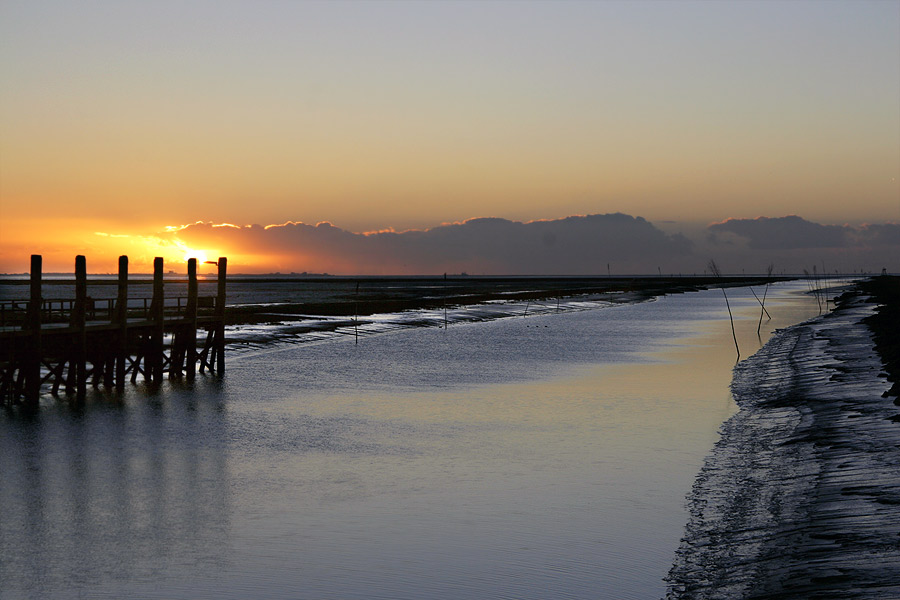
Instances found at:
x=885 y=325
x=800 y=496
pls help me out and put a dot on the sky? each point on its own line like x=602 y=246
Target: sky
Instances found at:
x=135 y=127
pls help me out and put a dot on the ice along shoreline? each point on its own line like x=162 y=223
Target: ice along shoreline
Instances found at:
x=800 y=497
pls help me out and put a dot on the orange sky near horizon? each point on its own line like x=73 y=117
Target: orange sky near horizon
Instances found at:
x=117 y=120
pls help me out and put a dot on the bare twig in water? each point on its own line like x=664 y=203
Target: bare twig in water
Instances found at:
x=817 y=287
x=444 y=302
x=811 y=287
x=769 y=270
x=714 y=269
x=760 y=302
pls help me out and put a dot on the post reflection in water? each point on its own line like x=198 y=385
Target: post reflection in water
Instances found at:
x=115 y=493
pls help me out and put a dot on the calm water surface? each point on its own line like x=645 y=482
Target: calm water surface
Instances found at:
x=539 y=457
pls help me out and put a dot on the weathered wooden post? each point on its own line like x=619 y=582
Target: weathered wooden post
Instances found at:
x=191 y=318
x=77 y=322
x=121 y=318
x=32 y=360
x=220 y=317
x=157 y=315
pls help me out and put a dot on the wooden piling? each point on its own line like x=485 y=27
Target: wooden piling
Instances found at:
x=67 y=342
x=121 y=318
x=155 y=357
x=77 y=322
x=191 y=321
x=220 y=317
x=31 y=367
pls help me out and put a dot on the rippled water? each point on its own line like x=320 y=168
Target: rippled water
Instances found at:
x=538 y=457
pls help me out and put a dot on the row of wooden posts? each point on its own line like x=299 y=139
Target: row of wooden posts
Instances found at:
x=126 y=344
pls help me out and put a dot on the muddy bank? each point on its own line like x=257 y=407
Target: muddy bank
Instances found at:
x=884 y=292
x=293 y=311
x=801 y=496
x=346 y=297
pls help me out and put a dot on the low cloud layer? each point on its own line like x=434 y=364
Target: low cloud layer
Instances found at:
x=794 y=244
x=579 y=245
x=792 y=233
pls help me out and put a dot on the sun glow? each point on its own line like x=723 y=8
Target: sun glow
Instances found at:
x=175 y=251
x=200 y=255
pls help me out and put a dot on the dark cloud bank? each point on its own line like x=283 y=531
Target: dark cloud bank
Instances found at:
x=794 y=244
x=578 y=245
x=792 y=233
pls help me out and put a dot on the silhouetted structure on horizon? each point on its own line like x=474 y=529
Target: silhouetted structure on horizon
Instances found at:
x=66 y=343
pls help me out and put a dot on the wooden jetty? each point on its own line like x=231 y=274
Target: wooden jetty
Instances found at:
x=69 y=343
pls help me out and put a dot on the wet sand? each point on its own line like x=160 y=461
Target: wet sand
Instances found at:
x=801 y=496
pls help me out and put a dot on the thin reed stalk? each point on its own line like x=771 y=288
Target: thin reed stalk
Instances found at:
x=818 y=287
x=758 y=301
x=812 y=288
x=714 y=269
x=769 y=270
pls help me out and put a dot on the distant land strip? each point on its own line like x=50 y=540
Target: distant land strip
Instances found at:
x=377 y=296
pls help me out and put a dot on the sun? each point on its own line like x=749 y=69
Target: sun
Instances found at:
x=200 y=255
